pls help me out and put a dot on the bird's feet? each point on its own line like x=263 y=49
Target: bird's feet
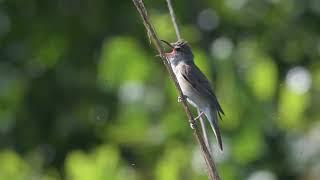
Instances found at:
x=193 y=125
x=182 y=98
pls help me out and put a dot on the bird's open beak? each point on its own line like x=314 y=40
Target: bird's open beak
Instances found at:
x=172 y=52
x=167 y=43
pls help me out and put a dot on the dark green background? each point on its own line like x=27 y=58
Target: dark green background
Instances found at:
x=84 y=97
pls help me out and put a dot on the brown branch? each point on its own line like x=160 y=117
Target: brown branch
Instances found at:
x=212 y=171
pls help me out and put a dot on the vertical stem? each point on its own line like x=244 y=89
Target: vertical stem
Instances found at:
x=173 y=18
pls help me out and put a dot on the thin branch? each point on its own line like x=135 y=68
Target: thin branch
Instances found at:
x=173 y=18
x=212 y=171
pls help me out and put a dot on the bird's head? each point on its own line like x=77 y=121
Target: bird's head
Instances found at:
x=181 y=51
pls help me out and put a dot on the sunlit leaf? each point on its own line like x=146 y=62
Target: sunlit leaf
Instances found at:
x=262 y=77
x=13 y=167
x=291 y=109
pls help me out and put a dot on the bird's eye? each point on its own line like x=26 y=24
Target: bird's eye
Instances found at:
x=177 y=48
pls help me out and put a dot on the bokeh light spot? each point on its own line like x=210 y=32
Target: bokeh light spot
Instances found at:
x=208 y=20
x=298 y=80
x=221 y=48
x=262 y=175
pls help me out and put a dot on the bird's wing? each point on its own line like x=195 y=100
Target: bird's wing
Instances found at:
x=200 y=83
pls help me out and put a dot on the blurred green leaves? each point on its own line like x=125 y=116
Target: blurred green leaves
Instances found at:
x=248 y=145
x=263 y=78
x=174 y=163
x=82 y=95
x=12 y=89
x=260 y=70
x=49 y=51
x=131 y=127
x=122 y=59
x=292 y=108
x=13 y=167
x=102 y=163
x=161 y=22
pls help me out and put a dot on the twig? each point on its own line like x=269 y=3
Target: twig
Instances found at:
x=212 y=171
x=173 y=18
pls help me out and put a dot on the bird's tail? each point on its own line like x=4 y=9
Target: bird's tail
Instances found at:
x=204 y=132
x=212 y=116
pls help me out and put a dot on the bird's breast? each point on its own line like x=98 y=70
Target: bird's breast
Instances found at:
x=184 y=84
x=194 y=97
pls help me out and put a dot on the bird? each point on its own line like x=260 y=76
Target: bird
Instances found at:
x=194 y=84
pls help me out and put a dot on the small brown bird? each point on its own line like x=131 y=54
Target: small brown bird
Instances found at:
x=194 y=84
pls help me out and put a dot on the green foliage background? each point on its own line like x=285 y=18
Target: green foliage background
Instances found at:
x=83 y=97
